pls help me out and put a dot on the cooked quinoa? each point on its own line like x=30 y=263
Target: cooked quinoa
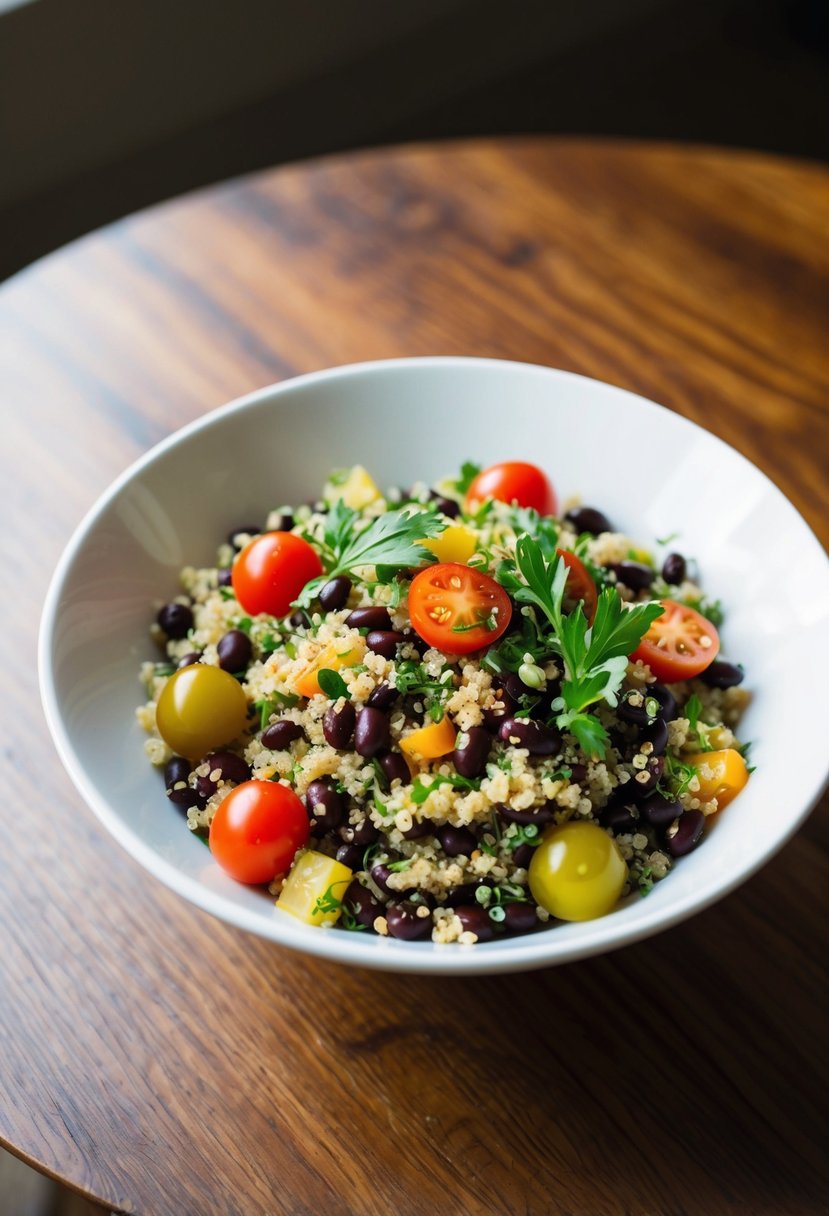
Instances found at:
x=431 y=850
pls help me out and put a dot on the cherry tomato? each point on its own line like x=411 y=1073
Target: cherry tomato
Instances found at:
x=577 y=872
x=271 y=571
x=721 y=775
x=514 y=481
x=580 y=585
x=458 y=609
x=200 y=708
x=679 y=644
x=257 y=830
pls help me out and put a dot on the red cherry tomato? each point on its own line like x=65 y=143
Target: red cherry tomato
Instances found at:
x=271 y=571
x=679 y=644
x=457 y=609
x=580 y=585
x=257 y=830
x=514 y=481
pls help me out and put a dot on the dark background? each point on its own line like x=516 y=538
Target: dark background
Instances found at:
x=108 y=107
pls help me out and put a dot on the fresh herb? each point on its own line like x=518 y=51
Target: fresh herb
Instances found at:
x=226 y=593
x=422 y=787
x=595 y=656
x=528 y=834
x=645 y=881
x=163 y=669
x=712 y=610
x=328 y=902
x=699 y=730
x=273 y=704
x=412 y=678
x=488 y=621
x=542 y=528
x=469 y=471
x=349 y=921
x=397 y=866
x=666 y=540
x=676 y=778
x=244 y=623
x=392 y=540
x=332 y=684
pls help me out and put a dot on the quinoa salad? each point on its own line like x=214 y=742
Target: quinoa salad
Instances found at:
x=450 y=712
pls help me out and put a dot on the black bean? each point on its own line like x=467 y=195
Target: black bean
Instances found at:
x=537 y=814
x=633 y=574
x=588 y=519
x=515 y=687
x=674 y=568
x=187 y=660
x=419 y=828
x=363 y=832
x=394 y=767
x=362 y=905
x=383 y=697
x=470 y=757
x=523 y=855
x=403 y=921
x=446 y=506
x=176 y=770
x=494 y=718
x=633 y=708
x=465 y=894
x=281 y=735
x=372 y=733
x=299 y=619
x=369 y=618
x=175 y=620
x=380 y=875
x=333 y=595
x=187 y=797
x=414 y=639
x=338 y=725
x=284 y=522
x=721 y=674
x=519 y=918
x=326 y=805
x=538 y=739
x=230 y=766
x=646 y=779
x=657 y=735
x=620 y=818
x=224 y=577
x=456 y=842
x=685 y=833
x=384 y=642
x=666 y=699
x=350 y=855
x=234 y=650
x=659 y=811
x=578 y=773
x=234 y=537
x=475 y=920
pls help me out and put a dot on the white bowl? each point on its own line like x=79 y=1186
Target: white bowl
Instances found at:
x=651 y=471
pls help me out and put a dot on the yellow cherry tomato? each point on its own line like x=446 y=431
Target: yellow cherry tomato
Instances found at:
x=577 y=872
x=721 y=775
x=314 y=889
x=431 y=741
x=456 y=543
x=199 y=709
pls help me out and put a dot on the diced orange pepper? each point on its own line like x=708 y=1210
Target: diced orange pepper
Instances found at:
x=430 y=741
x=721 y=775
x=307 y=682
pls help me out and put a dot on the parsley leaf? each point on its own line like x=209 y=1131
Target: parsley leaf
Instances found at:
x=332 y=684
x=391 y=541
x=469 y=471
x=595 y=656
x=422 y=789
x=699 y=729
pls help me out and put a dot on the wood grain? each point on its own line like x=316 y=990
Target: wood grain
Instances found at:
x=166 y=1063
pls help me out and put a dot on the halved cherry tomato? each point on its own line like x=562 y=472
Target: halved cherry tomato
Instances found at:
x=580 y=585
x=458 y=609
x=257 y=830
x=271 y=571
x=514 y=481
x=679 y=644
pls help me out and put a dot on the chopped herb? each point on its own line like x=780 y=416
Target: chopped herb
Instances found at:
x=397 y=866
x=349 y=921
x=595 y=656
x=712 y=610
x=497 y=913
x=244 y=623
x=423 y=787
x=391 y=540
x=328 y=902
x=676 y=779
x=272 y=705
x=332 y=684
x=163 y=669
x=699 y=729
x=469 y=471
x=226 y=593
x=645 y=881
x=666 y=540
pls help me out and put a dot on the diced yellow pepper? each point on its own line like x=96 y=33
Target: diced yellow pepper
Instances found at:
x=314 y=889
x=430 y=741
x=307 y=682
x=721 y=775
x=456 y=543
x=357 y=490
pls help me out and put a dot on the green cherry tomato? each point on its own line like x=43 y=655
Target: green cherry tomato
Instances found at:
x=200 y=708
x=577 y=872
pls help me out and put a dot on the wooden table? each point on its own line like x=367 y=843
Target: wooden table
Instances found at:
x=167 y=1064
